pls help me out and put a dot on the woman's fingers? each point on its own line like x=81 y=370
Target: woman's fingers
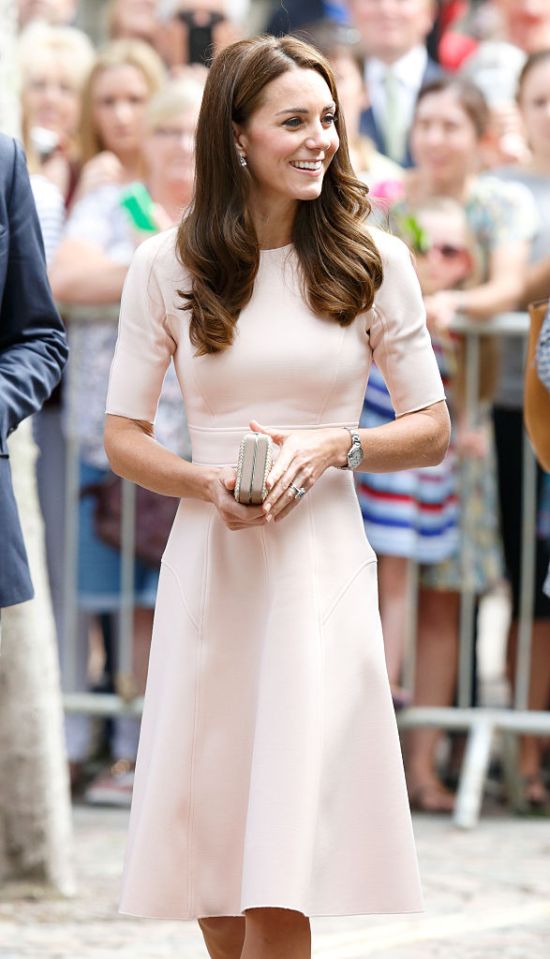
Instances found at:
x=229 y=477
x=278 y=436
x=286 y=492
x=280 y=478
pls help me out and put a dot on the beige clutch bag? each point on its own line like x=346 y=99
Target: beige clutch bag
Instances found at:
x=255 y=459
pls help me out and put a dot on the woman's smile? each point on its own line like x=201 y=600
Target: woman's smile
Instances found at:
x=312 y=167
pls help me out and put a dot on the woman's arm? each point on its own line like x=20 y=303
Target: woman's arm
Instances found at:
x=413 y=440
x=502 y=291
x=134 y=453
x=82 y=274
x=504 y=287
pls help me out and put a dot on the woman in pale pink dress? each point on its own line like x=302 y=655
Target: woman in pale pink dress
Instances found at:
x=269 y=784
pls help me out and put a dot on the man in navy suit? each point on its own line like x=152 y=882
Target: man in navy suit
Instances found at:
x=33 y=348
x=393 y=37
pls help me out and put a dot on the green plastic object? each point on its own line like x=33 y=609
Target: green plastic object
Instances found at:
x=139 y=206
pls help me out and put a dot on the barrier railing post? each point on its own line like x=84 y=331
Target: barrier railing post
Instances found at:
x=70 y=560
x=527 y=577
x=467 y=520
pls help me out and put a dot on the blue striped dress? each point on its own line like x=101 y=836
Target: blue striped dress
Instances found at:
x=411 y=513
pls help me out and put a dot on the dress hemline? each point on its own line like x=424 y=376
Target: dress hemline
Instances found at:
x=238 y=915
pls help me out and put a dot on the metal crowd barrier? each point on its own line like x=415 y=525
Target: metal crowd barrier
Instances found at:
x=482 y=724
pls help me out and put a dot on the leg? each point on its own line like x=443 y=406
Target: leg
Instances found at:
x=276 y=934
x=530 y=747
x=224 y=936
x=435 y=681
x=392 y=587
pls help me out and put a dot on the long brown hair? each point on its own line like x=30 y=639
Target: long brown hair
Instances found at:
x=217 y=242
x=133 y=53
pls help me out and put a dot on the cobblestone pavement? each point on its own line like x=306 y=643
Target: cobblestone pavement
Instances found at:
x=487 y=895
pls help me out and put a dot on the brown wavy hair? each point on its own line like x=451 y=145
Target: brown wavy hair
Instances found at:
x=217 y=243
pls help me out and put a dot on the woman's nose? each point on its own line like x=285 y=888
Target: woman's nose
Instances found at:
x=318 y=139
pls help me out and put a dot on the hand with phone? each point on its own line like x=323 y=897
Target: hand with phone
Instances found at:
x=195 y=33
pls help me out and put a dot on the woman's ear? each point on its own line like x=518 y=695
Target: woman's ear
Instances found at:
x=239 y=137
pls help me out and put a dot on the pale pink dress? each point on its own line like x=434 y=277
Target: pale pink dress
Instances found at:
x=269 y=769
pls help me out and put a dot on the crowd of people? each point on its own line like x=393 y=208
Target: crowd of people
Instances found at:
x=447 y=110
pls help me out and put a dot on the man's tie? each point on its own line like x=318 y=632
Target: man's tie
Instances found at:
x=394 y=126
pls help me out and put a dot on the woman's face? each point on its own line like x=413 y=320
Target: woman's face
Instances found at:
x=50 y=98
x=447 y=262
x=535 y=108
x=119 y=98
x=290 y=140
x=444 y=142
x=169 y=149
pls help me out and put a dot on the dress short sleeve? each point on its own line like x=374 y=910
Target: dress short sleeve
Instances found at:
x=144 y=346
x=398 y=334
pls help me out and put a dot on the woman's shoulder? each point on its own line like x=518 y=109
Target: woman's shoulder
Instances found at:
x=390 y=247
x=158 y=255
x=493 y=189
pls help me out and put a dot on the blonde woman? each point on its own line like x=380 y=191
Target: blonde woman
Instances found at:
x=126 y=74
x=54 y=62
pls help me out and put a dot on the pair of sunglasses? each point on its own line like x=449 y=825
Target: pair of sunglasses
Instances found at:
x=446 y=250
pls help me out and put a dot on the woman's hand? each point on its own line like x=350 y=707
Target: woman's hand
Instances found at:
x=441 y=309
x=234 y=515
x=304 y=457
x=102 y=170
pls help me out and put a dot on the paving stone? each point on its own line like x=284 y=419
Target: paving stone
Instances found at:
x=487 y=894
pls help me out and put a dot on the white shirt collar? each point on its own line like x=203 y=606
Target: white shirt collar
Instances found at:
x=409 y=69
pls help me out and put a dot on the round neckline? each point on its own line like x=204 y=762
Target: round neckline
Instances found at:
x=278 y=249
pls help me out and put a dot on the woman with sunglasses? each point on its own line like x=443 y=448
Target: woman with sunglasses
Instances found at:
x=447 y=138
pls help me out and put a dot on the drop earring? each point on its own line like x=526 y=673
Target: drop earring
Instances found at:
x=242 y=159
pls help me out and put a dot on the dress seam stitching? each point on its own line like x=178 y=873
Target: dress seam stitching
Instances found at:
x=336 y=369
x=339 y=596
x=321 y=675
x=164 y=563
x=198 y=659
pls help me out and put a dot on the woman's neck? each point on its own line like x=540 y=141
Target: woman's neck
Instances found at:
x=420 y=186
x=273 y=221
x=132 y=165
x=172 y=198
x=538 y=164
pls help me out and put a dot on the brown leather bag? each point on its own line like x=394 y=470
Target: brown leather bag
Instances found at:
x=155 y=515
x=536 y=410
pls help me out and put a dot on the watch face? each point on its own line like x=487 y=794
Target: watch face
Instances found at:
x=355 y=456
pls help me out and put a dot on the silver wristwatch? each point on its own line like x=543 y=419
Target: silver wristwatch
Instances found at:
x=355 y=453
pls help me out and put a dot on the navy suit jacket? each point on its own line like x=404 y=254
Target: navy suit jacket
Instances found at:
x=33 y=347
x=368 y=124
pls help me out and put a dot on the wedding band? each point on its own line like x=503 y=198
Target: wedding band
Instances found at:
x=299 y=491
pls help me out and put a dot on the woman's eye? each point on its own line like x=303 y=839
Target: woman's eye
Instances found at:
x=329 y=118
x=293 y=122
